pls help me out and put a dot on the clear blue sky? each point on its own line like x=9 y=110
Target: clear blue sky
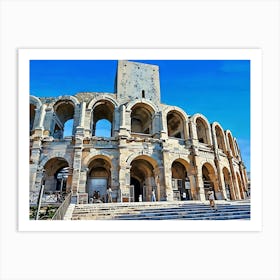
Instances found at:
x=218 y=89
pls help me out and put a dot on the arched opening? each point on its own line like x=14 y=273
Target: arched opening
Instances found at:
x=231 y=145
x=32 y=112
x=68 y=128
x=103 y=128
x=202 y=131
x=137 y=189
x=102 y=119
x=64 y=112
x=180 y=182
x=99 y=178
x=142 y=179
x=175 y=125
x=220 y=138
x=240 y=186
x=208 y=177
x=228 y=184
x=141 y=119
x=56 y=175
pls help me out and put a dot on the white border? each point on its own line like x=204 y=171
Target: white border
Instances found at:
x=254 y=55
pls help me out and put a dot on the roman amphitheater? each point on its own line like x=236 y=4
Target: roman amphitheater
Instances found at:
x=151 y=146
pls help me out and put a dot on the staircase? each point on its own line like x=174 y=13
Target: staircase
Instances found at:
x=183 y=210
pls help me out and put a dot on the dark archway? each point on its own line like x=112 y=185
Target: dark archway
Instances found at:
x=175 y=125
x=180 y=182
x=56 y=175
x=208 y=177
x=142 y=169
x=99 y=178
x=141 y=119
x=138 y=190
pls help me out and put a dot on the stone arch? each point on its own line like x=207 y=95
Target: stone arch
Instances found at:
x=98 y=177
x=53 y=179
x=140 y=155
x=240 y=186
x=180 y=171
x=35 y=101
x=142 y=177
x=64 y=110
x=228 y=184
x=104 y=98
x=203 y=130
x=218 y=134
x=176 y=121
x=142 y=116
x=146 y=102
x=86 y=161
x=34 y=105
x=68 y=98
x=102 y=109
x=209 y=178
x=54 y=155
x=230 y=143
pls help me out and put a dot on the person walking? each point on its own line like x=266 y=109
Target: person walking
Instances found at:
x=153 y=195
x=211 y=198
x=109 y=195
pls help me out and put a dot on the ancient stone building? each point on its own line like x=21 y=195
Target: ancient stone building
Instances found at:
x=150 y=146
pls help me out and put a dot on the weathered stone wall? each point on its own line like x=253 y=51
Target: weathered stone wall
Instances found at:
x=149 y=157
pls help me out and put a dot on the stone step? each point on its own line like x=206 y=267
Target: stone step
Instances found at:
x=161 y=211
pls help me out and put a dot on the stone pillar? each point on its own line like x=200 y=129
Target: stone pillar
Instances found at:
x=221 y=183
x=200 y=187
x=168 y=176
x=116 y=123
x=39 y=127
x=156 y=125
x=80 y=129
x=124 y=173
x=233 y=177
x=163 y=132
x=76 y=169
x=42 y=117
x=124 y=124
x=87 y=122
x=83 y=181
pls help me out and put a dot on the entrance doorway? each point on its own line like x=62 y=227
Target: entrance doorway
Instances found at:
x=138 y=190
x=98 y=185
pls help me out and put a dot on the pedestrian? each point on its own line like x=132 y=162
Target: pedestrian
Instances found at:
x=153 y=195
x=212 y=200
x=109 y=195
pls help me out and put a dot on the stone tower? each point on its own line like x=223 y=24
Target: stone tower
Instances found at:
x=137 y=81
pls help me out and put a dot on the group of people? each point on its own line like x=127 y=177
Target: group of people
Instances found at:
x=105 y=198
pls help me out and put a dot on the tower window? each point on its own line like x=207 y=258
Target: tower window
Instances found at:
x=143 y=93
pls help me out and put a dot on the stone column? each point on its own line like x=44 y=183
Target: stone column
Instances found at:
x=76 y=169
x=124 y=125
x=80 y=129
x=201 y=192
x=116 y=123
x=124 y=173
x=163 y=132
x=83 y=180
x=220 y=179
x=233 y=176
x=168 y=176
x=39 y=127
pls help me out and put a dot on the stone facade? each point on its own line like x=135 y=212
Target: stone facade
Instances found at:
x=151 y=145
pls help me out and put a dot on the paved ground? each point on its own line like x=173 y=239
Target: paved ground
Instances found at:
x=184 y=210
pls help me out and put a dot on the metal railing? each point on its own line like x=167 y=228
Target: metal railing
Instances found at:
x=59 y=214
